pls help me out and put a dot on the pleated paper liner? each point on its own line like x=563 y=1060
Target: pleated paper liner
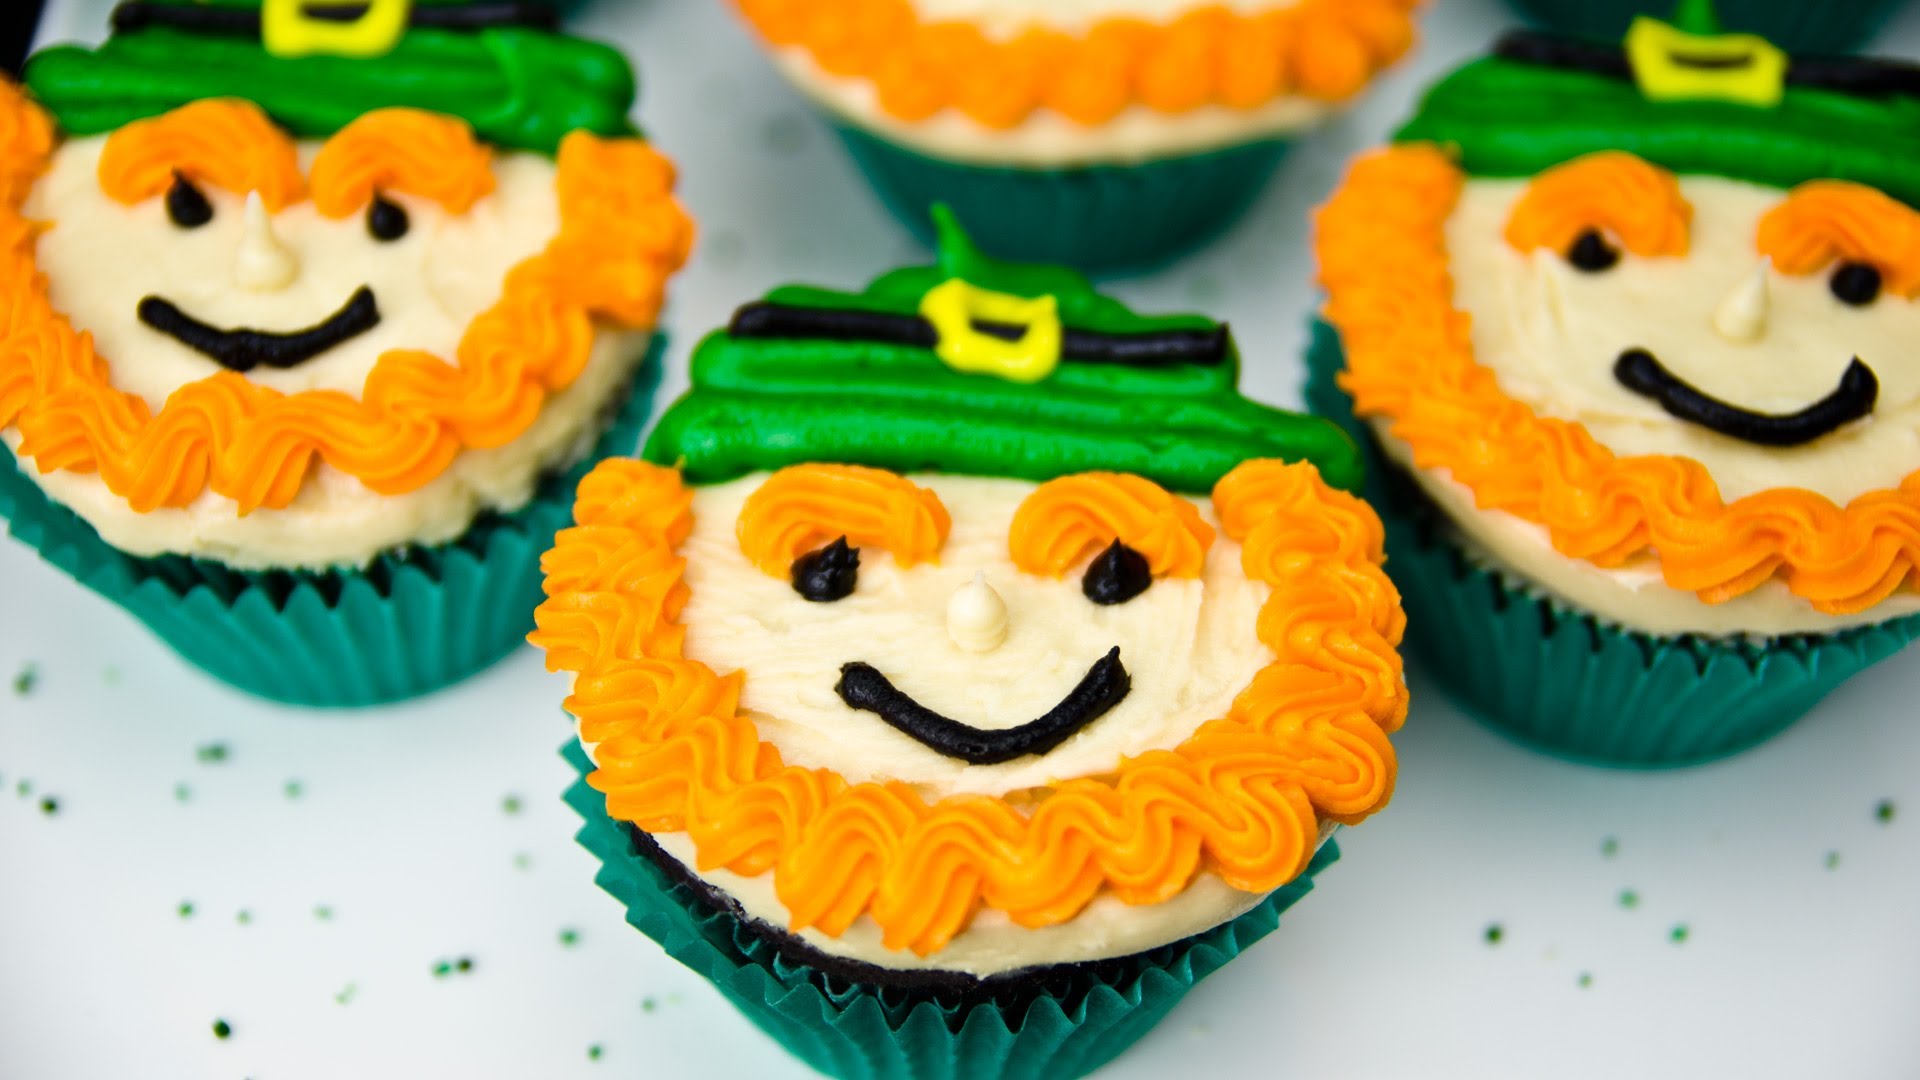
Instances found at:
x=1563 y=681
x=1059 y=1030
x=1799 y=26
x=1101 y=218
x=413 y=621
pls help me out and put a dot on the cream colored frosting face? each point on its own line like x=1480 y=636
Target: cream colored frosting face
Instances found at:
x=1006 y=18
x=289 y=271
x=1552 y=334
x=1189 y=646
x=1048 y=139
x=1719 y=319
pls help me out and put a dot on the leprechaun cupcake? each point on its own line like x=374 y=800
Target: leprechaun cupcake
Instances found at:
x=1791 y=24
x=1107 y=134
x=307 y=337
x=1632 y=328
x=968 y=669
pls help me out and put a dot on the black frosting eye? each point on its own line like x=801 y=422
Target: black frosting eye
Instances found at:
x=828 y=574
x=1117 y=575
x=1592 y=253
x=1855 y=283
x=386 y=220
x=185 y=205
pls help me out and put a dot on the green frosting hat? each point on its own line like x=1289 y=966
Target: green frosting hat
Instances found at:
x=979 y=366
x=491 y=64
x=1686 y=97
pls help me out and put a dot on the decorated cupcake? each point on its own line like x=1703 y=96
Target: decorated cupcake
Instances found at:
x=304 y=352
x=1633 y=329
x=1793 y=24
x=1108 y=134
x=940 y=718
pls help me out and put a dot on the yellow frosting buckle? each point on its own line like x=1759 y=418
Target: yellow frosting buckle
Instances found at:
x=1671 y=64
x=307 y=28
x=965 y=318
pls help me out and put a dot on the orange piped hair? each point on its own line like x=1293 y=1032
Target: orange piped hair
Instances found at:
x=26 y=141
x=802 y=507
x=430 y=155
x=1826 y=221
x=1637 y=202
x=1073 y=517
x=226 y=142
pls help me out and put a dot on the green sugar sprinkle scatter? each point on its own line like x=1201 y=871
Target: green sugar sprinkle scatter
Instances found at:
x=1585 y=980
x=1629 y=899
x=1494 y=933
x=49 y=805
x=1679 y=934
x=323 y=912
x=182 y=793
x=346 y=993
x=26 y=680
x=1883 y=811
x=213 y=753
x=222 y=1029
x=594 y=1052
x=23 y=788
x=569 y=937
x=1833 y=860
x=294 y=789
x=243 y=917
x=510 y=804
x=1610 y=847
x=185 y=910
x=462 y=965
x=648 y=1004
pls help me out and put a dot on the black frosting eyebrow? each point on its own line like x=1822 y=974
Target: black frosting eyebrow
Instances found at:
x=206 y=18
x=770 y=320
x=1858 y=76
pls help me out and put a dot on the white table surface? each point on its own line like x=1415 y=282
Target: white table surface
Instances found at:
x=319 y=915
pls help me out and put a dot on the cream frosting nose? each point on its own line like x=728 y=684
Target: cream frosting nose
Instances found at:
x=977 y=616
x=1742 y=315
x=263 y=263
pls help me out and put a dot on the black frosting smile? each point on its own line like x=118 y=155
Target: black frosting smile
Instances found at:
x=1643 y=373
x=243 y=350
x=1106 y=685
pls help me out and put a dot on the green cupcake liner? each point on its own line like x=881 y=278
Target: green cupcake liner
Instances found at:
x=1563 y=681
x=415 y=620
x=1799 y=26
x=1103 y=218
x=861 y=1032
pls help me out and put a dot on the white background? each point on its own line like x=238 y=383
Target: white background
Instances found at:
x=1792 y=967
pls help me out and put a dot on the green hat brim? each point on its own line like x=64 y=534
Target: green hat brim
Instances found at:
x=1506 y=118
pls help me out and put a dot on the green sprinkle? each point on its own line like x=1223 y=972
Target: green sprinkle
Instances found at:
x=463 y=965
x=182 y=793
x=1833 y=860
x=510 y=804
x=673 y=998
x=222 y=1029
x=323 y=912
x=185 y=909
x=523 y=861
x=1494 y=933
x=243 y=917
x=346 y=994
x=442 y=969
x=569 y=937
x=110 y=675
x=23 y=683
x=1629 y=899
x=648 y=1004
x=1585 y=980
x=1883 y=811
x=49 y=805
x=593 y=1052
x=211 y=753
x=24 y=788
x=295 y=789
x=1678 y=935
x=1610 y=847
x=785 y=133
